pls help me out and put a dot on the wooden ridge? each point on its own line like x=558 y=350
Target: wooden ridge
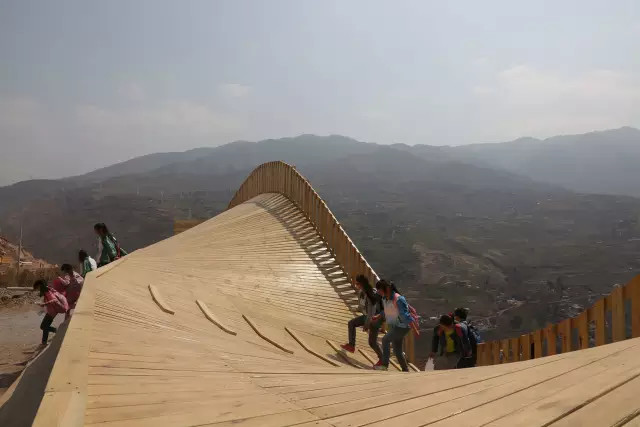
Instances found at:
x=155 y=294
x=264 y=337
x=209 y=315
x=307 y=348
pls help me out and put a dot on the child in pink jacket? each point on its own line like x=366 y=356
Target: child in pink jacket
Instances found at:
x=54 y=303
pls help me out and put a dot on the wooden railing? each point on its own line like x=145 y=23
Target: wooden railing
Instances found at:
x=603 y=323
x=282 y=178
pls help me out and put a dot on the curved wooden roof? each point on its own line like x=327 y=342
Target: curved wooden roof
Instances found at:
x=230 y=323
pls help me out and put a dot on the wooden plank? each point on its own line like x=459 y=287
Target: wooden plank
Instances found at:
x=615 y=408
x=155 y=294
x=367 y=356
x=618 y=329
x=596 y=315
x=308 y=349
x=634 y=291
x=209 y=315
x=495 y=348
x=505 y=354
x=550 y=334
x=564 y=332
x=515 y=349
x=342 y=354
x=264 y=337
x=582 y=325
x=481 y=349
x=525 y=343
x=537 y=343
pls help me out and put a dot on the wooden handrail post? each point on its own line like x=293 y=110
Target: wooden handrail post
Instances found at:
x=618 y=329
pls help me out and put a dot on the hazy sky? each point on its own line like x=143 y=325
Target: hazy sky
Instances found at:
x=85 y=83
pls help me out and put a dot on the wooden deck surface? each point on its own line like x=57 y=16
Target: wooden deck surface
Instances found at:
x=128 y=361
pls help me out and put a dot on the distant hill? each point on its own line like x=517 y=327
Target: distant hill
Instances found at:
x=603 y=162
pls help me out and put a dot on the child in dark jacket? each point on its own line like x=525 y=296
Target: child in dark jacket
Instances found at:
x=370 y=305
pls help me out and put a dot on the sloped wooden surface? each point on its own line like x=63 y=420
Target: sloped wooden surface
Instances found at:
x=263 y=259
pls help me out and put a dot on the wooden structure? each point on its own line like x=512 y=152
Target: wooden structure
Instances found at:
x=613 y=318
x=181 y=225
x=278 y=265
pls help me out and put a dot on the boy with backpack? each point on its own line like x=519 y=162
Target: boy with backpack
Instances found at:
x=452 y=344
x=54 y=303
x=460 y=315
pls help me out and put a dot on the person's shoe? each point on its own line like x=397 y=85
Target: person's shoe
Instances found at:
x=380 y=367
x=378 y=363
x=348 y=347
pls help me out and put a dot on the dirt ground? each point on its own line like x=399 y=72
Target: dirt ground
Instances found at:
x=19 y=337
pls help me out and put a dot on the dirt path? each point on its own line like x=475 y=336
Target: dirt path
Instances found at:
x=19 y=336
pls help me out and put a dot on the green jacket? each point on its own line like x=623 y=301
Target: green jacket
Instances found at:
x=109 y=251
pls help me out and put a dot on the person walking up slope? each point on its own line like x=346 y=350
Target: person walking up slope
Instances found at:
x=399 y=321
x=371 y=305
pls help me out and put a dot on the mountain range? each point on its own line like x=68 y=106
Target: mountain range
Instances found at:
x=513 y=230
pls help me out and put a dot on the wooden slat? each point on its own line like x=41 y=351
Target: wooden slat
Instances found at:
x=537 y=343
x=209 y=315
x=264 y=337
x=550 y=334
x=309 y=349
x=495 y=352
x=596 y=314
x=342 y=354
x=155 y=294
x=515 y=349
x=582 y=325
x=564 y=332
x=481 y=349
x=525 y=343
x=618 y=329
x=504 y=346
x=634 y=296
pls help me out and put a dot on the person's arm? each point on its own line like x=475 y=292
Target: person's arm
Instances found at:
x=435 y=340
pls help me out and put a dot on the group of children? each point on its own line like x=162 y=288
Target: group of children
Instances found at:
x=61 y=294
x=454 y=340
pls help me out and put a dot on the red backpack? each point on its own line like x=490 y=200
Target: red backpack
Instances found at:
x=59 y=301
x=415 y=317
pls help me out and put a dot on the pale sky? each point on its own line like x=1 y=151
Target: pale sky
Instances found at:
x=84 y=84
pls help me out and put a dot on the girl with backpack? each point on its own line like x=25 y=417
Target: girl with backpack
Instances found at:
x=370 y=304
x=399 y=320
x=54 y=303
x=108 y=248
